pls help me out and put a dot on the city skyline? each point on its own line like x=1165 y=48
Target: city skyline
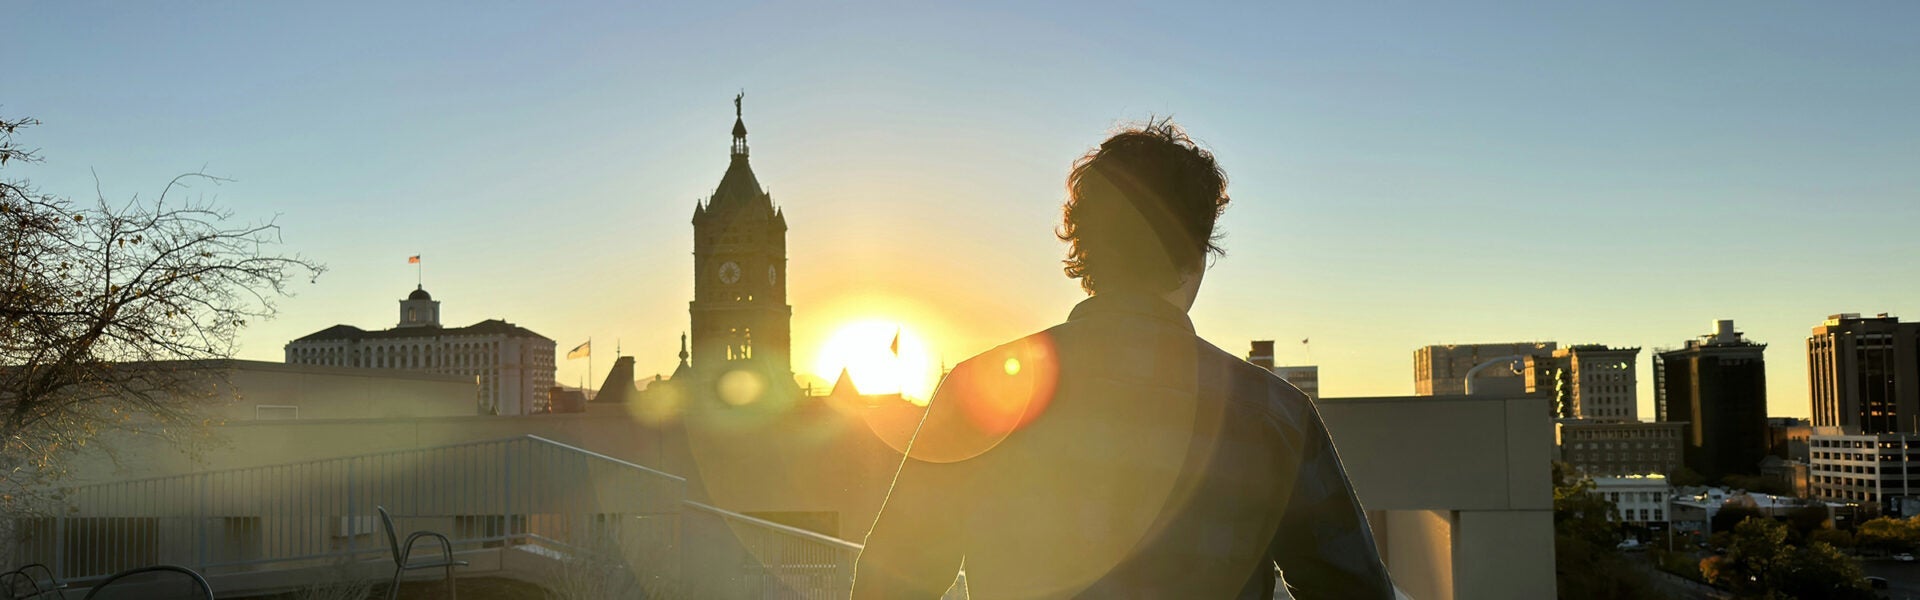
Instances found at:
x=1383 y=201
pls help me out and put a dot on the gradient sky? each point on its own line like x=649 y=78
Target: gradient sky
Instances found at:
x=1403 y=174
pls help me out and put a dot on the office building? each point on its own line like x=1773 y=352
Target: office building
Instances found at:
x=1865 y=374
x=1879 y=470
x=1588 y=381
x=1717 y=384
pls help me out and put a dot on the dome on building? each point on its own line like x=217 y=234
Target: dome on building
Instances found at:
x=419 y=293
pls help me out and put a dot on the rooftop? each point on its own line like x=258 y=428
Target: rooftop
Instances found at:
x=487 y=327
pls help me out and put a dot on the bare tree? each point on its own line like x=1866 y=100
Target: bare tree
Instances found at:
x=113 y=315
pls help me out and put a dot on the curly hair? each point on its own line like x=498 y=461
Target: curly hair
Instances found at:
x=1141 y=208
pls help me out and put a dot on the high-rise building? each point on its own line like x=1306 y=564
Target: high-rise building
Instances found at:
x=1442 y=370
x=1717 y=384
x=512 y=366
x=1865 y=374
x=1588 y=381
x=1305 y=377
x=1864 y=378
x=740 y=316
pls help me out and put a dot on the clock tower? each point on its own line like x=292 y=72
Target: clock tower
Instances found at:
x=740 y=315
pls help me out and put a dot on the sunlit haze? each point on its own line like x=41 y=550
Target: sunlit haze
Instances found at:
x=1402 y=175
x=876 y=363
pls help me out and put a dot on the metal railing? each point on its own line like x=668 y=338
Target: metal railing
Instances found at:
x=521 y=491
x=783 y=561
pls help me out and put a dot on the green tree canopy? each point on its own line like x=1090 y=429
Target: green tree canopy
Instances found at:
x=1759 y=563
x=1579 y=512
x=1888 y=534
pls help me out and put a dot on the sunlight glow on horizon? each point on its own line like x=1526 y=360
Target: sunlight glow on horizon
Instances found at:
x=1400 y=176
x=864 y=349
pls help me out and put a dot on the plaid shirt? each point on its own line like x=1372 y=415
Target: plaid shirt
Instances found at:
x=1118 y=455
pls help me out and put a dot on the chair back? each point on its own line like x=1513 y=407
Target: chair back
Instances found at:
x=29 y=581
x=386 y=524
x=158 y=582
x=18 y=584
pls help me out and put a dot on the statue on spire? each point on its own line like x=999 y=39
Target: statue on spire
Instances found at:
x=739 y=127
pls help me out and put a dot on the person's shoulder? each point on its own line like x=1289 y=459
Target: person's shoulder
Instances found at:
x=1253 y=387
x=984 y=399
x=1239 y=370
x=1032 y=350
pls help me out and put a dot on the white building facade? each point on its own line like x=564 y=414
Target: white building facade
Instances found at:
x=1879 y=469
x=512 y=367
x=1637 y=499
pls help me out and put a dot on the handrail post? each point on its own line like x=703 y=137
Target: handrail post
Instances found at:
x=200 y=520
x=353 y=518
x=60 y=540
x=506 y=493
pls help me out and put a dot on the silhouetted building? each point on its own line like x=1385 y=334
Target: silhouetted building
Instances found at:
x=1442 y=370
x=566 y=400
x=740 y=316
x=1791 y=475
x=619 y=387
x=512 y=366
x=1787 y=437
x=1305 y=377
x=1615 y=448
x=1717 y=384
x=1865 y=374
x=1587 y=381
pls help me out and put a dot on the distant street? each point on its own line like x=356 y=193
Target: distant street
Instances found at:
x=1903 y=578
x=1673 y=587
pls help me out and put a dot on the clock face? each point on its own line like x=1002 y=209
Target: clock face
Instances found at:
x=773 y=275
x=729 y=272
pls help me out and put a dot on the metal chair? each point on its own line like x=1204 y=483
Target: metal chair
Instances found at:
x=402 y=556
x=158 y=582
x=20 y=584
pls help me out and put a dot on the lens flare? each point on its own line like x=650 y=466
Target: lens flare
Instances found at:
x=741 y=387
x=978 y=405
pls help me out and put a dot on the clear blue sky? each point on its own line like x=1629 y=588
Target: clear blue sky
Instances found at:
x=1404 y=174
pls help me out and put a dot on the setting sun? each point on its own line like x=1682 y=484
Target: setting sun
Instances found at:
x=866 y=350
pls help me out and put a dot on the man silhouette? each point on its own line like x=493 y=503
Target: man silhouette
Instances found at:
x=1118 y=455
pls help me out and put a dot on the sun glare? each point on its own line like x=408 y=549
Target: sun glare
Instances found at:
x=866 y=350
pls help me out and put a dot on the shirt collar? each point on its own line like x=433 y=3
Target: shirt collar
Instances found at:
x=1131 y=303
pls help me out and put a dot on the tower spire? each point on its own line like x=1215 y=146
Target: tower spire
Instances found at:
x=683 y=349
x=739 y=127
